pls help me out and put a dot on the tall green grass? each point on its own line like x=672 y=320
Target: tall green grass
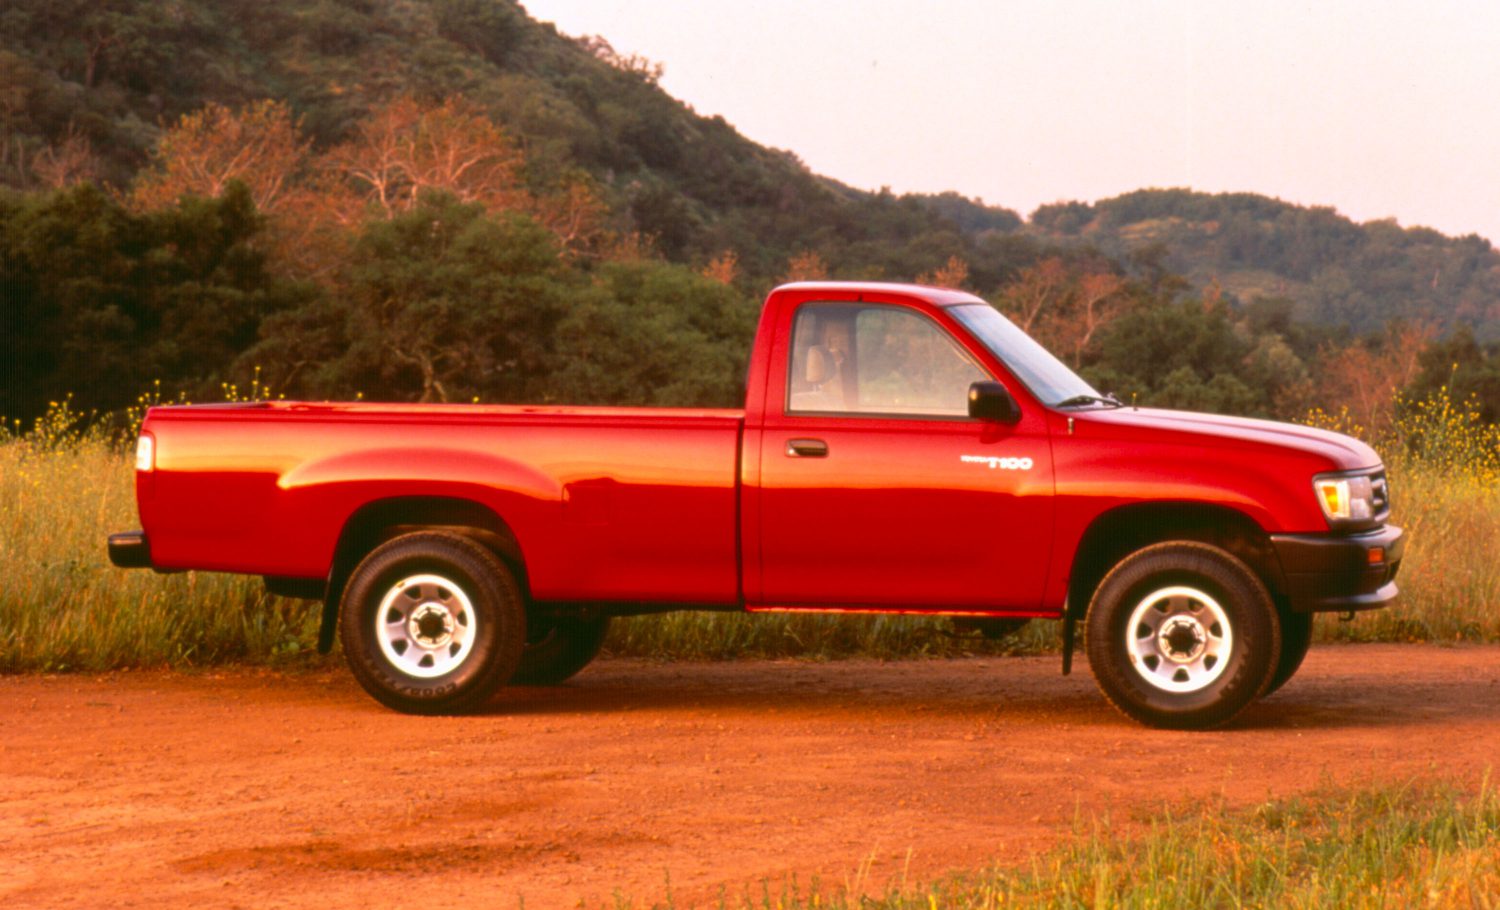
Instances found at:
x=64 y=607
x=64 y=488
x=1397 y=847
x=1443 y=462
x=1450 y=576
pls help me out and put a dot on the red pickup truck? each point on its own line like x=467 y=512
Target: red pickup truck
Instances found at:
x=902 y=449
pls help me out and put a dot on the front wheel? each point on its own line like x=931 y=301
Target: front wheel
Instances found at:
x=432 y=623
x=1182 y=635
x=1296 y=638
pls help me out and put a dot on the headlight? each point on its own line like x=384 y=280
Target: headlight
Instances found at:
x=1346 y=499
x=145 y=453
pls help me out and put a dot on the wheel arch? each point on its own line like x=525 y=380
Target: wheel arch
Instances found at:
x=376 y=522
x=1115 y=534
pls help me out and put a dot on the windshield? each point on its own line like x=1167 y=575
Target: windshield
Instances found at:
x=1048 y=378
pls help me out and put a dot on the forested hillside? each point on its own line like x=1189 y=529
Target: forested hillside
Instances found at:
x=447 y=200
x=1337 y=272
x=108 y=75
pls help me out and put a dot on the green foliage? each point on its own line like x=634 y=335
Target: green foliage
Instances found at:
x=492 y=30
x=972 y=216
x=1185 y=355
x=111 y=72
x=449 y=303
x=1423 y=844
x=1461 y=368
x=100 y=301
x=1336 y=271
x=443 y=303
x=692 y=184
x=456 y=297
x=1449 y=435
x=104 y=300
x=649 y=333
x=64 y=607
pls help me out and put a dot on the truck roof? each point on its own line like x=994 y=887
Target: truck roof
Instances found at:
x=852 y=290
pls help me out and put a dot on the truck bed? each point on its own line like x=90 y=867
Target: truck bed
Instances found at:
x=604 y=503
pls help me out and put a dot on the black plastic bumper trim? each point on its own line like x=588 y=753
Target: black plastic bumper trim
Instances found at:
x=130 y=550
x=1332 y=573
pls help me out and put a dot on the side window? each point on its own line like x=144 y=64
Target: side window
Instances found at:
x=852 y=359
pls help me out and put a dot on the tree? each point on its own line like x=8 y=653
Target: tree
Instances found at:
x=1274 y=371
x=100 y=301
x=405 y=150
x=648 y=71
x=442 y=303
x=1183 y=389
x=1064 y=308
x=72 y=161
x=1178 y=355
x=806 y=266
x=1095 y=300
x=1462 y=366
x=573 y=212
x=485 y=27
x=1033 y=292
x=1366 y=377
x=952 y=274
x=723 y=268
x=257 y=145
x=650 y=333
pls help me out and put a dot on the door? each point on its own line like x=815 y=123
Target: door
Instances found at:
x=878 y=490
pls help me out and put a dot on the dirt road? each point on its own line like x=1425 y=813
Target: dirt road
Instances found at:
x=252 y=788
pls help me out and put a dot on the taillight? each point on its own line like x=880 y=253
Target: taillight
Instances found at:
x=145 y=453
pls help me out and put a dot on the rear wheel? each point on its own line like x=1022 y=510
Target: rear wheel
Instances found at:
x=1296 y=638
x=1182 y=635
x=432 y=623
x=557 y=648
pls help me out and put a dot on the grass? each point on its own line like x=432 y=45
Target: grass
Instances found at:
x=1444 y=470
x=1450 y=576
x=63 y=607
x=1419 y=845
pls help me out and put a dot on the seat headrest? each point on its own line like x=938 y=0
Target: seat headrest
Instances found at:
x=819 y=365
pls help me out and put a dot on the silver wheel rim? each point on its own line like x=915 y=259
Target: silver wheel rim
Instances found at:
x=426 y=626
x=1179 y=639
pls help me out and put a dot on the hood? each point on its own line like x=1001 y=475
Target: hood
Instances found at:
x=1343 y=453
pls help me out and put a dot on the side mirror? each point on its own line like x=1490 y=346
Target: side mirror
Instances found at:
x=990 y=400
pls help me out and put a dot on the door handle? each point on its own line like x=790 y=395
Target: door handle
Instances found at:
x=806 y=448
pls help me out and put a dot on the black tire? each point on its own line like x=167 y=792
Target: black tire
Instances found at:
x=432 y=623
x=1182 y=635
x=558 y=648
x=1296 y=638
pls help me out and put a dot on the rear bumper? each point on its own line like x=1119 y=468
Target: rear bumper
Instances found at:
x=130 y=550
x=1335 y=573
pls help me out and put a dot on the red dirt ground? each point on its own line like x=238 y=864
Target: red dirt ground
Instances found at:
x=255 y=788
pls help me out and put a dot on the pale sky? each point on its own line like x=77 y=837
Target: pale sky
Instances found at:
x=1379 y=109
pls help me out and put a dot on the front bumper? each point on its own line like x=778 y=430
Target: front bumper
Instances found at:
x=1335 y=573
x=130 y=550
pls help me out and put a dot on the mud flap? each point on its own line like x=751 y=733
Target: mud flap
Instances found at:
x=329 y=625
x=328 y=628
